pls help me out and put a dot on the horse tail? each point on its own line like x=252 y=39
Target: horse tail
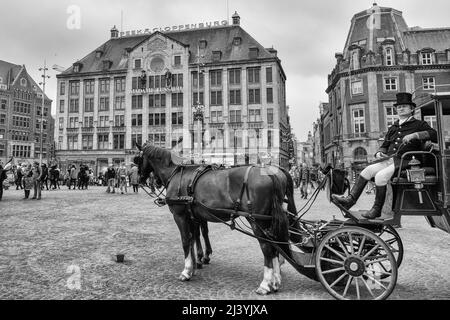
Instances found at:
x=280 y=223
x=290 y=192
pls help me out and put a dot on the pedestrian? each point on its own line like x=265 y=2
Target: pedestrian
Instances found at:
x=27 y=180
x=123 y=173
x=73 y=177
x=3 y=177
x=304 y=177
x=37 y=182
x=110 y=176
x=134 y=177
x=19 y=176
x=44 y=177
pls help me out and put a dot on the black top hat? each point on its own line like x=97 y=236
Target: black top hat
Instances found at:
x=404 y=98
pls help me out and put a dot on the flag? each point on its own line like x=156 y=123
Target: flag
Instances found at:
x=9 y=164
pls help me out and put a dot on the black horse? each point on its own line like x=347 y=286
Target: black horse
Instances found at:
x=220 y=189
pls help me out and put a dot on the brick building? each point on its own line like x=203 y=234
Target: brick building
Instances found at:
x=382 y=56
x=145 y=87
x=20 y=116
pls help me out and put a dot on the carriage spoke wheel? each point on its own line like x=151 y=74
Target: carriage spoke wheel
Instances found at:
x=353 y=263
x=391 y=237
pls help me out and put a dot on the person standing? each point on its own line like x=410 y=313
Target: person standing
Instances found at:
x=73 y=177
x=122 y=173
x=110 y=175
x=304 y=177
x=19 y=176
x=27 y=180
x=37 y=175
x=134 y=177
x=2 y=178
x=44 y=177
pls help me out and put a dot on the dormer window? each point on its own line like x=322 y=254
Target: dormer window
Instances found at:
x=177 y=61
x=354 y=61
x=77 y=67
x=389 y=57
x=202 y=44
x=23 y=82
x=137 y=63
x=237 y=41
x=98 y=53
x=426 y=58
x=253 y=53
x=107 y=64
x=217 y=55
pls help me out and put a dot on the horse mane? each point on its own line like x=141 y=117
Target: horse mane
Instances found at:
x=157 y=152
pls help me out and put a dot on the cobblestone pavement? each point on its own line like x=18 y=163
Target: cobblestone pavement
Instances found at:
x=64 y=247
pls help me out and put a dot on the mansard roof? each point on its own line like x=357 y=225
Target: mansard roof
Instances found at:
x=435 y=38
x=217 y=38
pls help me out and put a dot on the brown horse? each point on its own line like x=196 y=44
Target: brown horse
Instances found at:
x=220 y=189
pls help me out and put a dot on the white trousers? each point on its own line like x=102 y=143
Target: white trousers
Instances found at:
x=382 y=171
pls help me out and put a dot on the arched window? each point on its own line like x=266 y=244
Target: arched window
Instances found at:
x=23 y=82
x=389 y=57
x=360 y=155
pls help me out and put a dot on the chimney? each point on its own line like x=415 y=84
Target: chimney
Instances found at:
x=114 y=33
x=236 y=19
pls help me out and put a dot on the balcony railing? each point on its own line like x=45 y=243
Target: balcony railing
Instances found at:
x=255 y=125
x=73 y=130
x=216 y=125
x=102 y=129
x=87 y=129
x=119 y=129
x=235 y=125
x=357 y=136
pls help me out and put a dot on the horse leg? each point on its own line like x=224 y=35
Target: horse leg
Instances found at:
x=276 y=272
x=187 y=240
x=269 y=283
x=205 y=234
x=198 y=244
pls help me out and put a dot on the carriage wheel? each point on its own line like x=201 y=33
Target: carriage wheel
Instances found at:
x=354 y=263
x=391 y=237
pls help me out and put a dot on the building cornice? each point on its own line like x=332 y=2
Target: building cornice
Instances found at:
x=409 y=68
x=91 y=74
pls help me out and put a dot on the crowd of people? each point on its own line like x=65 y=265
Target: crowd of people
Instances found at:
x=305 y=177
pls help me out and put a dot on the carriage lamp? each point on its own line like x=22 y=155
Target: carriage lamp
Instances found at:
x=416 y=175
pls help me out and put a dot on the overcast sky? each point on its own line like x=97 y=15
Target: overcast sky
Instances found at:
x=306 y=34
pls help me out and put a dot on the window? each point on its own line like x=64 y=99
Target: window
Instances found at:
x=216 y=116
x=269 y=92
x=88 y=104
x=390 y=84
x=136 y=138
x=61 y=123
x=253 y=75
x=103 y=141
x=88 y=122
x=358 y=120
x=74 y=107
x=177 y=118
x=104 y=104
x=89 y=86
x=216 y=55
x=177 y=80
x=389 y=57
x=74 y=88
x=3 y=103
x=72 y=142
x=87 y=142
x=235 y=97
x=216 y=98
x=270 y=115
x=136 y=102
x=428 y=83
x=425 y=58
x=119 y=85
x=253 y=53
x=62 y=88
x=177 y=60
x=157 y=100
x=269 y=138
x=254 y=115
x=269 y=74
x=234 y=76
x=391 y=113
x=157 y=139
x=236 y=138
x=119 y=141
x=355 y=60
x=23 y=82
x=235 y=116
x=177 y=99
x=73 y=122
x=254 y=96
x=431 y=121
x=156 y=82
x=137 y=63
x=198 y=99
x=357 y=87
x=119 y=120
x=104 y=86
x=157 y=119
x=195 y=80
x=360 y=155
x=61 y=106
x=104 y=121
x=217 y=139
x=136 y=119
x=119 y=103
x=215 y=78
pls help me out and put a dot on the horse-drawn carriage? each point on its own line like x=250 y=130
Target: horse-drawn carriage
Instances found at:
x=353 y=258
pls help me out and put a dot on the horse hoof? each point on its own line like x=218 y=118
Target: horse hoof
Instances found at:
x=261 y=291
x=206 y=260
x=184 y=278
x=199 y=265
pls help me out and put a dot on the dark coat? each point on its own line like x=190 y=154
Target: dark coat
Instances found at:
x=395 y=134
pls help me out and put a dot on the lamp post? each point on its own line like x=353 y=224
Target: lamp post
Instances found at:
x=44 y=77
x=198 y=109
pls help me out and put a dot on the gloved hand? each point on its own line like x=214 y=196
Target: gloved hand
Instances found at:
x=380 y=155
x=408 y=138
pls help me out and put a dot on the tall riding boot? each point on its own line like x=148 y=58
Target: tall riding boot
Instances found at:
x=380 y=196
x=355 y=193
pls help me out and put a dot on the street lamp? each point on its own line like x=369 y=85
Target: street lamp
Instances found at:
x=44 y=77
x=198 y=108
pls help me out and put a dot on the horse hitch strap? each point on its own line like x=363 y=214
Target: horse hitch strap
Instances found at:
x=237 y=203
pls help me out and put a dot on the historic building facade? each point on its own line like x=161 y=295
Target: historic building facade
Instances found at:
x=20 y=116
x=147 y=87
x=382 y=56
